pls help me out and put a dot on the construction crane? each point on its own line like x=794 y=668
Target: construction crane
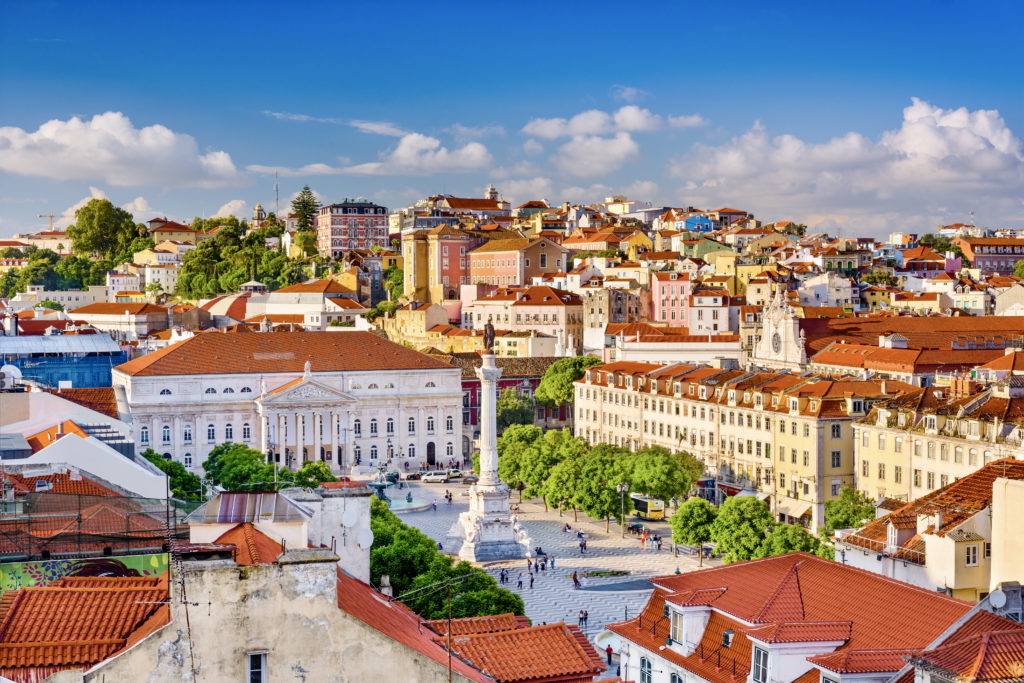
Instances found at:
x=50 y=215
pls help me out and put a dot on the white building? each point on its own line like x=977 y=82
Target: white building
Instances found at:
x=343 y=398
x=69 y=299
x=827 y=289
x=165 y=275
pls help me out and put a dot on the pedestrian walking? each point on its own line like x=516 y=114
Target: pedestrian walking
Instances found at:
x=529 y=565
x=608 y=650
x=552 y=562
x=520 y=584
x=575 y=580
x=579 y=619
x=584 y=545
x=581 y=546
x=434 y=505
x=586 y=618
x=531 y=581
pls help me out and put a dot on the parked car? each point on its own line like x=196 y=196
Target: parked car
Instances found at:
x=392 y=477
x=454 y=474
x=412 y=476
x=470 y=479
x=435 y=477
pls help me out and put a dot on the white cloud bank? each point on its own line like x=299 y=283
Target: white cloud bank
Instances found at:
x=110 y=148
x=629 y=118
x=956 y=159
x=591 y=155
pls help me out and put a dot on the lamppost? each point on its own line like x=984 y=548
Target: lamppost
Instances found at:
x=622 y=487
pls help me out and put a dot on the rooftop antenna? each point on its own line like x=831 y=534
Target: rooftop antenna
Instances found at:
x=972 y=219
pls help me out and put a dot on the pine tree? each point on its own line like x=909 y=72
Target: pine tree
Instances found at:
x=305 y=206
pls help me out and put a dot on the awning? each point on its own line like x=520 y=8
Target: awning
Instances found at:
x=792 y=507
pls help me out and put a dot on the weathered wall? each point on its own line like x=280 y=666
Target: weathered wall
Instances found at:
x=287 y=609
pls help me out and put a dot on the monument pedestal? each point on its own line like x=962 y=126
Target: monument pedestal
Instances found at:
x=488 y=531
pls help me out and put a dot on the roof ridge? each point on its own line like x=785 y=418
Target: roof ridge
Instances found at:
x=792 y=572
x=250 y=542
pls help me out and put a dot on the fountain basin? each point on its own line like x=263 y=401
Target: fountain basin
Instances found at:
x=400 y=505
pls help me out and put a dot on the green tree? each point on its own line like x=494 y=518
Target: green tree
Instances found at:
x=394 y=282
x=154 y=289
x=305 y=206
x=660 y=473
x=539 y=461
x=880 y=277
x=851 y=509
x=787 y=538
x=183 y=484
x=513 y=445
x=1018 y=269
x=102 y=228
x=557 y=385
x=306 y=241
x=740 y=527
x=562 y=486
x=692 y=524
x=513 y=409
x=312 y=474
x=52 y=305
x=236 y=467
x=603 y=469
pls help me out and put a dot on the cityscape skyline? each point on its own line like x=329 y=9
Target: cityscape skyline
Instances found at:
x=786 y=113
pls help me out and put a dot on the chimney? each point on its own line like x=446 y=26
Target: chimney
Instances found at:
x=884 y=387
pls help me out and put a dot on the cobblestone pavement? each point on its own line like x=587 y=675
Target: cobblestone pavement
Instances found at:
x=552 y=598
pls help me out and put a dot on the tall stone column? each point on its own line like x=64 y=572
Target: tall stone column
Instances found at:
x=317 y=437
x=488 y=374
x=264 y=427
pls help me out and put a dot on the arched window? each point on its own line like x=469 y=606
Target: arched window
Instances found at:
x=188 y=434
x=373 y=427
x=165 y=392
x=229 y=390
x=211 y=434
x=645 y=670
x=449 y=424
x=389 y=385
x=165 y=434
x=412 y=425
x=246 y=432
x=144 y=435
x=188 y=460
x=430 y=425
x=229 y=432
x=391 y=427
x=372 y=386
x=246 y=390
x=412 y=450
x=357 y=452
x=449 y=450
x=676 y=678
x=373 y=452
x=357 y=428
x=211 y=390
x=357 y=386
x=430 y=384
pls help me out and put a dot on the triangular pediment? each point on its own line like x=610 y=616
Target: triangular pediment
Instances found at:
x=306 y=390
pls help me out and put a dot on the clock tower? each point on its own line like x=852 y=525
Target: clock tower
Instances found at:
x=781 y=344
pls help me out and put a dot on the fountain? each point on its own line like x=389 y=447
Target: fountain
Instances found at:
x=381 y=482
x=397 y=505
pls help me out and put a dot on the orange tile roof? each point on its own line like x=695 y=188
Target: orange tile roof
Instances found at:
x=326 y=286
x=551 y=651
x=105 y=308
x=993 y=656
x=484 y=624
x=41 y=440
x=279 y=352
x=254 y=546
x=97 y=618
x=543 y=295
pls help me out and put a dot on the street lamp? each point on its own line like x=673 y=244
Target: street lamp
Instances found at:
x=622 y=487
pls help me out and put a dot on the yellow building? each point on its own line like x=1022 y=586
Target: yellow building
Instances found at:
x=637 y=243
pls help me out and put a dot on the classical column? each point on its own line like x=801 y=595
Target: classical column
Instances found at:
x=317 y=438
x=264 y=421
x=488 y=374
x=279 y=433
x=297 y=436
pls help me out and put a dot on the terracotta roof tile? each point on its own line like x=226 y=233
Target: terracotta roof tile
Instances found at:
x=105 y=308
x=484 y=624
x=254 y=547
x=993 y=656
x=279 y=352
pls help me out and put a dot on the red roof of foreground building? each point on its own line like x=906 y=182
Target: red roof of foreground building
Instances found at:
x=254 y=546
x=992 y=656
x=876 y=620
x=485 y=624
x=100 y=399
x=76 y=623
x=538 y=653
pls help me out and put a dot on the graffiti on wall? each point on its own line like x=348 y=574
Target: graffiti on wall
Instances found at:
x=14 y=575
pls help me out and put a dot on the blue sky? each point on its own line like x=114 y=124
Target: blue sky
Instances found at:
x=861 y=117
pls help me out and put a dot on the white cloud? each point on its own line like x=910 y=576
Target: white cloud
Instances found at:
x=308 y=169
x=687 y=121
x=462 y=132
x=236 y=207
x=525 y=189
x=519 y=168
x=628 y=93
x=67 y=216
x=590 y=155
x=531 y=146
x=592 y=122
x=110 y=148
x=418 y=154
x=956 y=159
x=632 y=117
x=641 y=189
x=138 y=206
x=378 y=128
x=288 y=116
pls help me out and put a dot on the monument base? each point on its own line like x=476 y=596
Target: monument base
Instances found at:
x=487 y=531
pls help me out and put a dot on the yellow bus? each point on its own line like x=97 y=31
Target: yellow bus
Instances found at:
x=648 y=508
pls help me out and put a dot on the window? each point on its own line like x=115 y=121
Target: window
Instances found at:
x=211 y=434
x=165 y=392
x=373 y=427
x=449 y=450
x=257 y=667
x=246 y=390
x=645 y=670
x=837 y=431
x=144 y=435
x=412 y=450
x=412 y=425
x=430 y=425
x=229 y=432
x=210 y=390
x=931 y=480
x=246 y=432
x=917 y=478
x=390 y=426
x=165 y=434
x=675 y=678
x=188 y=434
x=449 y=424
x=430 y=384
x=229 y=390
x=188 y=460
x=881 y=470
x=357 y=428
x=837 y=458
x=988 y=550
x=759 y=673
x=373 y=452
x=971 y=555
x=897 y=474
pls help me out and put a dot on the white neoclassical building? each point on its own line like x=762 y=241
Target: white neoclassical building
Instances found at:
x=341 y=397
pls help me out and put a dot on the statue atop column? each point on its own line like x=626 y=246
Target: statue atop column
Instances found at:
x=489 y=336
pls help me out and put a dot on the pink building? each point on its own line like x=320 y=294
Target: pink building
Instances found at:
x=352 y=224
x=670 y=294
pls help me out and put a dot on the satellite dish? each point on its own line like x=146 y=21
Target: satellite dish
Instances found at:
x=349 y=518
x=997 y=599
x=365 y=539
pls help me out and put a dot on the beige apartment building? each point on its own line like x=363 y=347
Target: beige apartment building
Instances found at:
x=545 y=310
x=919 y=442
x=787 y=438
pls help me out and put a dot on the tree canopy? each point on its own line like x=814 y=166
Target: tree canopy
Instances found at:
x=183 y=484
x=513 y=409
x=102 y=228
x=660 y=473
x=305 y=206
x=692 y=523
x=879 y=277
x=556 y=386
x=394 y=282
x=603 y=469
x=849 y=510
x=740 y=527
